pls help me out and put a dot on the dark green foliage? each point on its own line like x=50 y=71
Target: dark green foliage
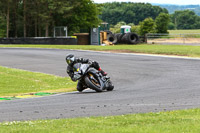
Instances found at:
x=185 y=20
x=38 y=17
x=162 y=22
x=129 y=12
x=171 y=26
x=2 y=26
x=83 y=16
x=147 y=26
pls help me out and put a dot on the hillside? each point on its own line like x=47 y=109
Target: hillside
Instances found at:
x=173 y=8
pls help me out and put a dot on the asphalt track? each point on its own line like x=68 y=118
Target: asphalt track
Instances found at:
x=142 y=84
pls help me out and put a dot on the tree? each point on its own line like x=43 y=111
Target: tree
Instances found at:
x=54 y=13
x=8 y=18
x=162 y=22
x=15 y=17
x=185 y=19
x=30 y=18
x=171 y=26
x=84 y=15
x=147 y=26
x=2 y=26
x=24 y=5
x=5 y=12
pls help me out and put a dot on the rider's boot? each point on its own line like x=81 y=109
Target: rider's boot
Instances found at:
x=102 y=72
x=80 y=87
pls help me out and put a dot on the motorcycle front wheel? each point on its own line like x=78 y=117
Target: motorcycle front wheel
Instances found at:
x=93 y=83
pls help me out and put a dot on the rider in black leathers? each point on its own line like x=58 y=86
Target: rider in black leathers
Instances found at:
x=71 y=60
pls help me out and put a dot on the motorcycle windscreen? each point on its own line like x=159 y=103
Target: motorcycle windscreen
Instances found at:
x=76 y=67
x=84 y=68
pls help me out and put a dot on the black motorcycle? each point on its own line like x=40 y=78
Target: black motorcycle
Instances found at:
x=91 y=78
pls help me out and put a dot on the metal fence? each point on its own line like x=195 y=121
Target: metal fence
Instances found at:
x=176 y=39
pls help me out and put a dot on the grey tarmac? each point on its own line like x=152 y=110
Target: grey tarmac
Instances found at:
x=142 y=84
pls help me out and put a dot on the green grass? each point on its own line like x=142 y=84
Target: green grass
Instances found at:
x=182 y=50
x=183 y=121
x=16 y=82
x=184 y=31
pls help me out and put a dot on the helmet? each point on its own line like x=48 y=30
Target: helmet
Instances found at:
x=70 y=59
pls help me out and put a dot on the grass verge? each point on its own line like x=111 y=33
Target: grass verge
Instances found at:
x=15 y=82
x=162 y=122
x=181 y=50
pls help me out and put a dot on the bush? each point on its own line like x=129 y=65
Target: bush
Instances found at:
x=135 y=29
x=171 y=26
x=147 y=26
x=162 y=22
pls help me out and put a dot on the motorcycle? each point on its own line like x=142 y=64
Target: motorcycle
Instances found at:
x=91 y=78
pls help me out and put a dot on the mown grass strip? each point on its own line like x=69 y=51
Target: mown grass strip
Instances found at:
x=181 y=50
x=16 y=82
x=162 y=122
x=184 y=31
x=8 y=98
x=43 y=94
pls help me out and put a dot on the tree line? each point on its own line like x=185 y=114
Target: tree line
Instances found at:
x=37 y=18
x=185 y=19
x=33 y=18
x=173 y=8
x=129 y=12
x=117 y=13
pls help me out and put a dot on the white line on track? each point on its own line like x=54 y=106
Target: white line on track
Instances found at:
x=107 y=52
x=141 y=54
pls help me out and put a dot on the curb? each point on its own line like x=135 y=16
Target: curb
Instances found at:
x=30 y=95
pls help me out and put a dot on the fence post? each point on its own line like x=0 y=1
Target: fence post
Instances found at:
x=145 y=38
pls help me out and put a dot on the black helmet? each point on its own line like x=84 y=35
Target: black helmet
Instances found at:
x=70 y=59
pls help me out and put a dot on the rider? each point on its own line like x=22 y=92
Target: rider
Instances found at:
x=71 y=60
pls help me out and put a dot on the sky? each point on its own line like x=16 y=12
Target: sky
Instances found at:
x=177 y=2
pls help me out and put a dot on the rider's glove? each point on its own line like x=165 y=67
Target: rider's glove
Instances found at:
x=73 y=79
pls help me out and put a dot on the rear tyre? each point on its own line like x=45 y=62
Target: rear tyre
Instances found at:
x=93 y=83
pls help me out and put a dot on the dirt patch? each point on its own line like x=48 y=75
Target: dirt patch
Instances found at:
x=195 y=41
x=129 y=51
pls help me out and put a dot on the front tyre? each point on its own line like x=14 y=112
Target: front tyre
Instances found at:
x=93 y=83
